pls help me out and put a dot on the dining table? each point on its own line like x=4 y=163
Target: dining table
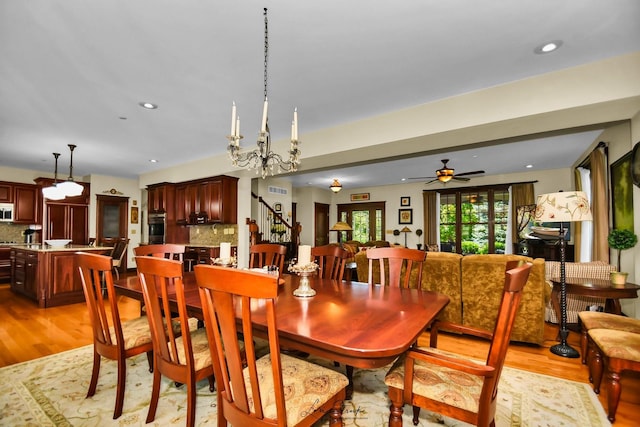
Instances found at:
x=354 y=323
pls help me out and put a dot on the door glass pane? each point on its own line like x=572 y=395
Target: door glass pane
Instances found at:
x=501 y=212
x=360 y=225
x=111 y=221
x=448 y=211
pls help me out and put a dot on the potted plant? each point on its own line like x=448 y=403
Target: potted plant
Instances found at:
x=621 y=240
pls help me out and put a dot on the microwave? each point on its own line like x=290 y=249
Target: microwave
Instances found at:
x=6 y=212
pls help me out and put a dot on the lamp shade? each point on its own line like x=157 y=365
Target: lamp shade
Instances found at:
x=565 y=206
x=405 y=230
x=341 y=226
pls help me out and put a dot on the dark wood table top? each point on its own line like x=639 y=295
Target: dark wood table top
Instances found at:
x=349 y=322
x=597 y=287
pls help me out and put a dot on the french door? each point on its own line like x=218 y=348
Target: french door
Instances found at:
x=366 y=219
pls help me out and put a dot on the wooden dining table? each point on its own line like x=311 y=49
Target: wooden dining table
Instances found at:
x=348 y=322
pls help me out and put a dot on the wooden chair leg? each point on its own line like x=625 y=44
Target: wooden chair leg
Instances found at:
x=120 y=384
x=613 y=393
x=596 y=370
x=584 y=339
x=191 y=404
x=94 y=374
x=150 y=360
x=335 y=415
x=155 y=395
x=416 y=415
x=395 y=410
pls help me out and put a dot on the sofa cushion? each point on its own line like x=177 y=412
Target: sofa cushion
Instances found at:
x=482 y=284
x=441 y=273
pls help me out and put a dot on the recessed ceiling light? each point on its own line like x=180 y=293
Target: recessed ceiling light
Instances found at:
x=529 y=166
x=148 y=105
x=153 y=161
x=548 y=47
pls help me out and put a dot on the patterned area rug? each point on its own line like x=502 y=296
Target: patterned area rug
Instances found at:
x=51 y=392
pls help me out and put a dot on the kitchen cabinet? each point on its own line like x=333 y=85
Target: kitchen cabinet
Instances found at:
x=5 y=264
x=207 y=201
x=6 y=192
x=49 y=276
x=158 y=198
x=67 y=221
x=203 y=254
x=24 y=272
x=26 y=202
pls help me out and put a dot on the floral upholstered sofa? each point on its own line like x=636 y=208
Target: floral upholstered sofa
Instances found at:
x=474 y=285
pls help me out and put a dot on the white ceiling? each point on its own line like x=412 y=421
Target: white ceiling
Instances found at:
x=74 y=71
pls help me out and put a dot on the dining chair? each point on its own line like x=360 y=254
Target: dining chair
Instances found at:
x=112 y=338
x=331 y=261
x=164 y=250
x=400 y=266
x=118 y=253
x=183 y=358
x=275 y=389
x=449 y=384
x=267 y=254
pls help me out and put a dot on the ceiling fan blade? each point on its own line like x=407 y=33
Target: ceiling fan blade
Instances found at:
x=433 y=180
x=423 y=177
x=461 y=179
x=469 y=173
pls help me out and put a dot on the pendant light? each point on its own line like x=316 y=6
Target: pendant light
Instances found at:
x=70 y=187
x=54 y=192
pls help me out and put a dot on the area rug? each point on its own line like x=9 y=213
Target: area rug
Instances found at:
x=51 y=392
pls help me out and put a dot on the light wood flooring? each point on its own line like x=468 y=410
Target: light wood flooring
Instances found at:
x=28 y=332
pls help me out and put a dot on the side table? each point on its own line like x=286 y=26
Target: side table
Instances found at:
x=594 y=288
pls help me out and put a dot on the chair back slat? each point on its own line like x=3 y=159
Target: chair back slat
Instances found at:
x=165 y=250
x=331 y=261
x=227 y=294
x=397 y=265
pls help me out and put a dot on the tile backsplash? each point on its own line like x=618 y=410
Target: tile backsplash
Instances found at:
x=213 y=234
x=11 y=232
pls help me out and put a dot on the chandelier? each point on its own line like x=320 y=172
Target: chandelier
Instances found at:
x=262 y=159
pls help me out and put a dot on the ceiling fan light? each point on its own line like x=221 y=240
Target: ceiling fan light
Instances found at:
x=336 y=186
x=444 y=174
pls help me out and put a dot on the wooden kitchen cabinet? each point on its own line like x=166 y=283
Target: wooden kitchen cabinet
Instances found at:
x=65 y=221
x=158 y=198
x=26 y=202
x=24 y=272
x=6 y=192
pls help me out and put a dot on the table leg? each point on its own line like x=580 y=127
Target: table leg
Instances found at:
x=612 y=305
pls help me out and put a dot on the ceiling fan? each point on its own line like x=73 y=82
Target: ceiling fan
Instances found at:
x=446 y=174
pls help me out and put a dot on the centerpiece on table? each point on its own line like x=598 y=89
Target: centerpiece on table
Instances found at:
x=304 y=268
x=225 y=259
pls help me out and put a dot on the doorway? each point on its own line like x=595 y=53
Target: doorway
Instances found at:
x=321 y=224
x=112 y=221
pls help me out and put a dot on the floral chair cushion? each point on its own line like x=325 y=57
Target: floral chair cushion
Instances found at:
x=307 y=386
x=617 y=344
x=446 y=385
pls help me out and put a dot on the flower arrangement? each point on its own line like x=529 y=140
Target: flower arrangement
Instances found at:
x=278 y=228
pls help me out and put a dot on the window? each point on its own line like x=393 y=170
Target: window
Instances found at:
x=474 y=220
x=366 y=219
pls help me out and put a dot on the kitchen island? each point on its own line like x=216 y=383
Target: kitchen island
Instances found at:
x=48 y=275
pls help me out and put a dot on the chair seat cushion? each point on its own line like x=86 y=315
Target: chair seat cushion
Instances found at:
x=200 y=345
x=597 y=320
x=446 y=385
x=307 y=387
x=617 y=344
x=135 y=332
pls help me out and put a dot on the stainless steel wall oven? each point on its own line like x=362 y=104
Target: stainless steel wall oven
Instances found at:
x=157 y=228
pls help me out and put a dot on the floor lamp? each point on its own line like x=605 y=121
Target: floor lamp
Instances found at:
x=569 y=206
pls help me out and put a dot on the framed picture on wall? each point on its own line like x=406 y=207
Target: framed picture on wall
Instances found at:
x=622 y=193
x=134 y=215
x=405 y=201
x=405 y=216
x=278 y=207
x=635 y=164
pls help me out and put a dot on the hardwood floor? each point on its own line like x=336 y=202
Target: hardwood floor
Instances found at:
x=28 y=332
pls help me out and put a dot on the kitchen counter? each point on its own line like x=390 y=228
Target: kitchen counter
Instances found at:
x=47 y=274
